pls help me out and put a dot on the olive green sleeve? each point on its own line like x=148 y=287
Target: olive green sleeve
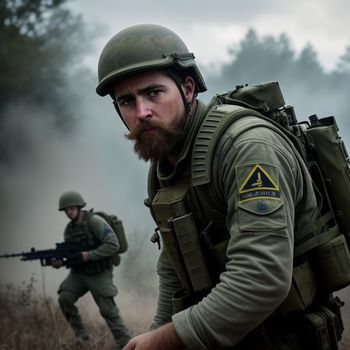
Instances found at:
x=168 y=284
x=260 y=251
x=103 y=233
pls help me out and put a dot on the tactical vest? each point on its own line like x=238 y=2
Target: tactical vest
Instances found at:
x=186 y=214
x=80 y=233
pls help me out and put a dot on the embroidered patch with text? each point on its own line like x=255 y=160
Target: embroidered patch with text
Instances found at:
x=258 y=184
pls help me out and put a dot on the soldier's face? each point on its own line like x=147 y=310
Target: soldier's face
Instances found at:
x=151 y=106
x=72 y=213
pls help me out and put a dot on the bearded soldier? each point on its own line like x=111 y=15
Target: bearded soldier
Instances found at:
x=229 y=200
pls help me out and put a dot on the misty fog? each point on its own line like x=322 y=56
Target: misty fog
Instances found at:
x=41 y=159
x=93 y=159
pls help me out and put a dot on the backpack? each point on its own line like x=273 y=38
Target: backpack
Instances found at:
x=325 y=155
x=117 y=227
x=317 y=141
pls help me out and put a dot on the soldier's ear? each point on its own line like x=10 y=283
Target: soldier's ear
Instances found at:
x=189 y=86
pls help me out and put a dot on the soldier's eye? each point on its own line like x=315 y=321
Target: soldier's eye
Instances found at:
x=124 y=102
x=154 y=92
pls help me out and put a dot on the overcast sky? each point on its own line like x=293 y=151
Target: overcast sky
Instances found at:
x=209 y=27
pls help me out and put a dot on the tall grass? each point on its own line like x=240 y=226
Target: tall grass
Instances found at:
x=30 y=321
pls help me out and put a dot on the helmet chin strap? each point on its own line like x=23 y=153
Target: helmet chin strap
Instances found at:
x=177 y=81
x=186 y=102
x=115 y=104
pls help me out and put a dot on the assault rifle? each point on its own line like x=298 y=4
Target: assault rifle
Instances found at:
x=68 y=253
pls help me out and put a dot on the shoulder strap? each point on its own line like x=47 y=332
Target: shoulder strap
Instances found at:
x=88 y=215
x=215 y=123
x=217 y=120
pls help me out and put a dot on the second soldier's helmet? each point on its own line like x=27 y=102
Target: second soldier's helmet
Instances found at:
x=71 y=199
x=144 y=47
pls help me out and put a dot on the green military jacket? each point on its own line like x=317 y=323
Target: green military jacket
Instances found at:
x=260 y=225
x=101 y=241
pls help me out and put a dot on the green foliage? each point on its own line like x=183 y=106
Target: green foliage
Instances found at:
x=263 y=57
x=27 y=17
x=268 y=58
x=40 y=41
x=304 y=82
x=344 y=61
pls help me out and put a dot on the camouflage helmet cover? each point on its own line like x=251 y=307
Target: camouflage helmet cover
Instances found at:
x=144 y=47
x=71 y=199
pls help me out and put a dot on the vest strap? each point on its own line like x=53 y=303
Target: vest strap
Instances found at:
x=214 y=125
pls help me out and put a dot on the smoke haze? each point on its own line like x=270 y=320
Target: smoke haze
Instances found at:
x=93 y=159
x=90 y=155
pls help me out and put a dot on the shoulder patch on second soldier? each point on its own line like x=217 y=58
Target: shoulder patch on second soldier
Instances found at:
x=258 y=181
x=106 y=229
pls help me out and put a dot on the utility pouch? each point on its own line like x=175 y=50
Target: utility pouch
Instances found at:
x=192 y=252
x=302 y=291
x=180 y=237
x=165 y=205
x=333 y=264
x=333 y=325
x=316 y=334
x=335 y=305
x=172 y=249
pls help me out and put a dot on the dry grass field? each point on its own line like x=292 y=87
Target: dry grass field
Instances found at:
x=32 y=322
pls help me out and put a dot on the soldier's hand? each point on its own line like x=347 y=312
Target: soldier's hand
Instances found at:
x=56 y=263
x=74 y=259
x=161 y=338
x=86 y=256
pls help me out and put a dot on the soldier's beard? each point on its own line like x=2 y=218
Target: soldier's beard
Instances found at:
x=159 y=143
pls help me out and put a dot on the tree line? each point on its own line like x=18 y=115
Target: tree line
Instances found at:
x=42 y=43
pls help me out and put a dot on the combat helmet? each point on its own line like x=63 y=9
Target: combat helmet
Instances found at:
x=71 y=199
x=144 y=47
